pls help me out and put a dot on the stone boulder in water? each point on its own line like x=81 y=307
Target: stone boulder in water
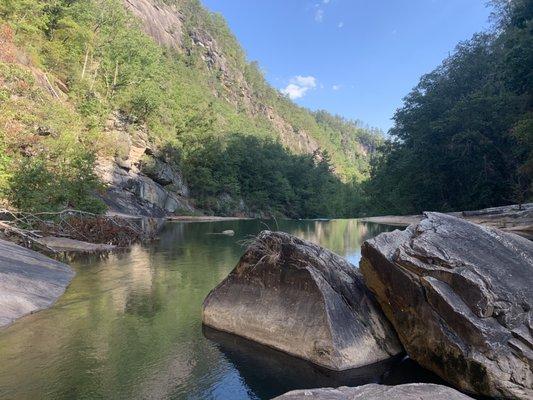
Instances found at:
x=418 y=391
x=302 y=299
x=460 y=298
x=29 y=281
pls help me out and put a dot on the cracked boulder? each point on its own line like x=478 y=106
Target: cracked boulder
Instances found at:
x=302 y=299
x=459 y=296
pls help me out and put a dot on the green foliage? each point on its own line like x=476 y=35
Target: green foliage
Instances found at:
x=462 y=139
x=97 y=50
x=266 y=177
x=36 y=187
x=43 y=164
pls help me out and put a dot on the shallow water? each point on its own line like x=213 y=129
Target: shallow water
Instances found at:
x=129 y=325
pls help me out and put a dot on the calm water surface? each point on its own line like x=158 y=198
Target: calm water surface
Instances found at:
x=129 y=325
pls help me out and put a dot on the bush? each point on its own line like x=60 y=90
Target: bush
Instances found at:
x=36 y=186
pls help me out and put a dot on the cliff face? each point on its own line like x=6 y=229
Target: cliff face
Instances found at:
x=171 y=26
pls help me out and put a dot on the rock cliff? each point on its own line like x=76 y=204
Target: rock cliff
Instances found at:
x=138 y=180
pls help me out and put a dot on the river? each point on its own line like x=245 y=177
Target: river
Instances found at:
x=129 y=327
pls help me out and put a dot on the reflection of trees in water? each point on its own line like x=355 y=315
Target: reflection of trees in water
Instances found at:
x=129 y=324
x=343 y=237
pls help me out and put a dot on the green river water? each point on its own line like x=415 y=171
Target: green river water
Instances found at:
x=128 y=327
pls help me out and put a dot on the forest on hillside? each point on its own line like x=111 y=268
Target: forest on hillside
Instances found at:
x=463 y=138
x=67 y=66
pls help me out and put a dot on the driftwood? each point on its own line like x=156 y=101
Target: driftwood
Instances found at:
x=72 y=224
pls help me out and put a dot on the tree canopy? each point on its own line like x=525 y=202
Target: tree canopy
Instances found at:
x=463 y=137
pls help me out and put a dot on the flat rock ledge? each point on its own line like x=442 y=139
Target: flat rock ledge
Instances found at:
x=304 y=300
x=459 y=296
x=418 y=391
x=29 y=281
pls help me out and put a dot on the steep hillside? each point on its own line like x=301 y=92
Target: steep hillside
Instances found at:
x=204 y=38
x=157 y=98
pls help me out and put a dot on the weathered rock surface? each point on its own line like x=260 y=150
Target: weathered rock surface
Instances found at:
x=419 y=391
x=138 y=183
x=460 y=298
x=302 y=299
x=514 y=218
x=29 y=281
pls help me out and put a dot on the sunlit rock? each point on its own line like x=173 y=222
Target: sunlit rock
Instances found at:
x=29 y=281
x=460 y=298
x=419 y=391
x=302 y=299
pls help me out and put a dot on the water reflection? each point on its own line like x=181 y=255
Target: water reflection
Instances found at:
x=269 y=373
x=129 y=325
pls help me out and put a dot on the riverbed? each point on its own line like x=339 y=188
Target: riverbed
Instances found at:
x=129 y=327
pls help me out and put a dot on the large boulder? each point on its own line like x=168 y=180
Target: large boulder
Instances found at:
x=460 y=298
x=419 y=391
x=29 y=281
x=302 y=299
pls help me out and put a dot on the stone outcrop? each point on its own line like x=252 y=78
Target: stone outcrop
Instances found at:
x=138 y=182
x=514 y=218
x=29 y=281
x=460 y=297
x=302 y=299
x=419 y=391
x=165 y=24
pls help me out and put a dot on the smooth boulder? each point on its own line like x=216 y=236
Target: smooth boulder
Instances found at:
x=418 y=391
x=302 y=299
x=29 y=281
x=459 y=296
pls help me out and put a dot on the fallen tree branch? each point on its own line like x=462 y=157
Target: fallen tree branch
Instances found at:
x=73 y=224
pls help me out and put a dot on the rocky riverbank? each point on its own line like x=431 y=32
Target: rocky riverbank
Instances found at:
x=458 y=295
x=29 y=281
x=514 y=218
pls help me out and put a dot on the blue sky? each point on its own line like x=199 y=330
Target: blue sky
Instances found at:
x=355 y=58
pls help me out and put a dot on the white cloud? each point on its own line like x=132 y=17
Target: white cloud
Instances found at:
x=299 y=86
x=319 y=15
x=340 y=24
x=306 y=81
x=336 y=87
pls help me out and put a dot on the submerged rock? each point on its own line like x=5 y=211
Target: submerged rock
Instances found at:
x=29 y=281
x=302 y=299
x=419 y=391
x=460 y=298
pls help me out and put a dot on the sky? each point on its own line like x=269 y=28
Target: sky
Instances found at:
x=354 y=58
